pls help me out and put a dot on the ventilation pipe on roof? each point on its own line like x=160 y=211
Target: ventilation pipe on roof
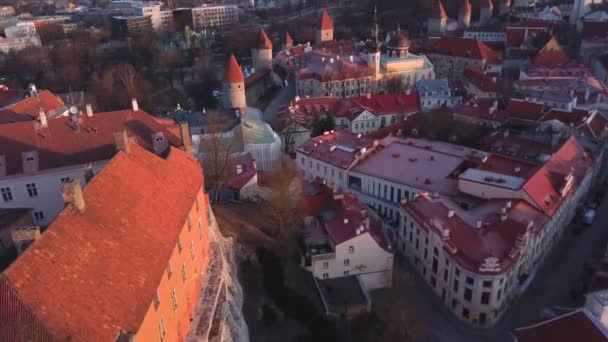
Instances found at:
x=89 y=110
x=134 y=105
x=42 y=117
x=72 y=194
x=88 y=172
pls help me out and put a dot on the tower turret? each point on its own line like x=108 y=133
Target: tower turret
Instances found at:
x=288 y=41
x=325 y=31
x=262 y=53
x=234 y=85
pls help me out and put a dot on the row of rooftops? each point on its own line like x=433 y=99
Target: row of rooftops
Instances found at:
x=458 y=47
x=485 y=237
x=303 y=110
x=47 y=143
x=340 y=216
x=438 y=11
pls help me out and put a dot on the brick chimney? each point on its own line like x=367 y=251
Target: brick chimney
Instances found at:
x=184 y=130
x=89 y=110
x=134 y=105
x=72 y=194
x=42 y=118
x=121 y=140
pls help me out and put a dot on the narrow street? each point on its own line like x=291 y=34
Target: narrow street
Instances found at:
x=283 y=97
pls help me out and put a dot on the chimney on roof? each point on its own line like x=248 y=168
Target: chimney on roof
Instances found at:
x=30 y=161
x=587 y=93
x=42 y=117
x=450 y=213
x=184 y=131
x=72 y=194
x=121 y=140
x=503 y=218
x=368 y=95
x=517 y=169
x=134 y=105
x=23 y=237
x=159 y=143
x=346 y=220
x=33 y=91
x=89 y=110
x=508 y=204
x=478 y=224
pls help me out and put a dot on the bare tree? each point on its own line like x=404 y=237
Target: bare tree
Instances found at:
x=287 y=128
x=216 y=147
x=284 y=198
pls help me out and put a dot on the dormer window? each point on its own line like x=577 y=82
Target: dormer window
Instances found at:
x=239 y=169
x=30 y=161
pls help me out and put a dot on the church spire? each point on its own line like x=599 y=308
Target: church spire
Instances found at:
x=375 y=30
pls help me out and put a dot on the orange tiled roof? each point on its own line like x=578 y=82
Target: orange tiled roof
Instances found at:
x=94 y=273
x=288 y=39
x=29 y=108
x=326 y=23
x=60 y=145
x=263 y=40
x=233 y=73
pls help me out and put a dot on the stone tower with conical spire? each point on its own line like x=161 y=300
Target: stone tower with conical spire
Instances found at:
x=288 y=41
x=325 y=31
x=261 y=54
x=234 y=85
x=464 y=14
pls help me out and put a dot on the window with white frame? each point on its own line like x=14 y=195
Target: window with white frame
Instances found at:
x=351 y=249
x=325 y=275
x=346 y=262
x=7 y=195
x=325 y=265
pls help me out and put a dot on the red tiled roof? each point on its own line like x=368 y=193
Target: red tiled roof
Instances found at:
x=232 y=72
x=95 y=272
x=477 y=77
x=525 y=110
x=481 y=112
x=340 y=148
x=263 y=40
x=574 y=326
x=349 y=214
x=551 y=54
x=304 y=110
x=516 y=33
x=29 y=108
x=401 y=103
x=471 y=246
x=462 y=47
x=595 y=29
x=545 y=186
x=9 y=96
x=325 y=23
x=237 y=181
x=325 y=66
x=60 y=145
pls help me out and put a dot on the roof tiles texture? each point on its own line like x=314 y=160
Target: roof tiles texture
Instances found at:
x=232 y=72
x=60 y=144
x=29 y=108
x=95 y=272
x=325 y=22
x=575 y=326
